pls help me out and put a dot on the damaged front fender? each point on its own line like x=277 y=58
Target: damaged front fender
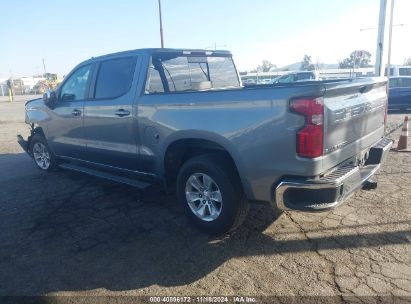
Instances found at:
x=36 y=112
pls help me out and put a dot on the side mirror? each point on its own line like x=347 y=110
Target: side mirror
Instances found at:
x=50 y=97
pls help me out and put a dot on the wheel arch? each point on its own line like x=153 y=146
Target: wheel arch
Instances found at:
x=186 y=144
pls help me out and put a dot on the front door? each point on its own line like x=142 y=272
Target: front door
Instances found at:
x=109 y=122
x=65 y=128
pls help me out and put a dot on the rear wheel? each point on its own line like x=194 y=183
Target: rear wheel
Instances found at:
x=42 y=155
x=210 y=192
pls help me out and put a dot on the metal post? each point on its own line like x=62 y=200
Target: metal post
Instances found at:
x=161 y=24
x=389 y=43
x=353 y=67
x=10 y=89
x=380 y=40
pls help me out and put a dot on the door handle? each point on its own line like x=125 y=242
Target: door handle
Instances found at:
x=122 y=112
x=76 y=112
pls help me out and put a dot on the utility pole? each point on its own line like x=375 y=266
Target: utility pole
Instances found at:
x=380 y=41
x=215 y=46
x=44 y=67
x=161 y=24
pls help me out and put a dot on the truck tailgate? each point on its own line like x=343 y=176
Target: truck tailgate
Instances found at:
x=354 y=114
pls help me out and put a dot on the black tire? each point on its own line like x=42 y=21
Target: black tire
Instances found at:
x=39 y=139
x=234 y=206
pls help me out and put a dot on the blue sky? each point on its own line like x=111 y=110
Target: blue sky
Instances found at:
x=65 y=33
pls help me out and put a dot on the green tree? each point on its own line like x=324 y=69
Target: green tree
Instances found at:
x=265 y=66
x=306 y=64
x=355 y=57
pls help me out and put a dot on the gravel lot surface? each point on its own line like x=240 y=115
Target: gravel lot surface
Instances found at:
x=67 y=234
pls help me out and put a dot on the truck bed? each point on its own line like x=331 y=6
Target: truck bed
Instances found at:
x=258 y=129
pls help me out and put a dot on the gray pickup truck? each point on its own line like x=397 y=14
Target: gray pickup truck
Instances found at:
x=181 y=119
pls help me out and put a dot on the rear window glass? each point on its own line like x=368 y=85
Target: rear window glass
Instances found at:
x=168 y=73
x=114 y=78
x=303 y=76
x=287 y=78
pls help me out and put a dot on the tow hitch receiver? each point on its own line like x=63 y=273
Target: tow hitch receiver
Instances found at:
x=369 y=185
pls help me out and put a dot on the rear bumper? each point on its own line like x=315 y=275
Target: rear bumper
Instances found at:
x=330 y=190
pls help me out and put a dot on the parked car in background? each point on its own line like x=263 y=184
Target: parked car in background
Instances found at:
x=296 y=77
x=399 y=97
x=180 y=119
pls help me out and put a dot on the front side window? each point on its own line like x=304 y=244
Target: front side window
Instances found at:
x=75 y=87
x=114 y=78
x=174 y=73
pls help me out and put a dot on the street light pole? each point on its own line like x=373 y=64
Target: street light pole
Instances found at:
x=380 y=41
x=389 y=42
x=161 y=24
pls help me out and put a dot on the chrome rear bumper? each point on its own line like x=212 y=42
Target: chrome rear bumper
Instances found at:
x=328 y=191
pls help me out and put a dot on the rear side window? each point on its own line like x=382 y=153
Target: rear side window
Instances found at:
x=174 y=73
x=114 y=78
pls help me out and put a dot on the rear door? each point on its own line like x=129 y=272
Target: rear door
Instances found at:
x=110 y=126
x=65 y=128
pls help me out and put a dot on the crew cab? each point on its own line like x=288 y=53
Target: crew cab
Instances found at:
x=181 y=119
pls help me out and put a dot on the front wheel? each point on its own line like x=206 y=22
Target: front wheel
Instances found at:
x=41 y=153
x=210 y=192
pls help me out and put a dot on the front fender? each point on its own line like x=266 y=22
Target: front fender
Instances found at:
x=37 y=114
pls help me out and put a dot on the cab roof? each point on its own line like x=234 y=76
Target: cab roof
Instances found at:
x=151 y=51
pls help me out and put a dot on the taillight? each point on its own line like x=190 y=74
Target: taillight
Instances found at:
x=310 y=139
